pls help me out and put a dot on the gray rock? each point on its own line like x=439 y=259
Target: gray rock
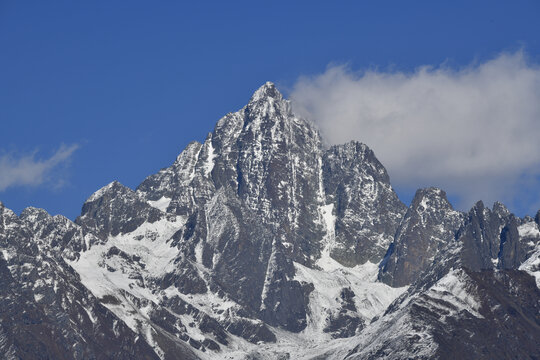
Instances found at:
x=116 y=209
x=512 y=252
x=429 y=225
x=366 y=207
x=481 y=238
x=346 y=323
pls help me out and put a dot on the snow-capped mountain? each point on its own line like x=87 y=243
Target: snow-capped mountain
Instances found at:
x=261 y=243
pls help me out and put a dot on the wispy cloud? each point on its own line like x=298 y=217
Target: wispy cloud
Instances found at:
x=28 y=170
x=474 y=131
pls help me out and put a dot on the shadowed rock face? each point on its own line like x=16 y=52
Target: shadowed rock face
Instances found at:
x=512 y=252
x=509 y=309
x=429 y=225
x=366 y=208
x=490 y=239
x=114 y=210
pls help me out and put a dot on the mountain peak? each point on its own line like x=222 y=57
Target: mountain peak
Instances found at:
x=114 y=185
x=268 y=90
x=500 y=209
x=268 y=106
x=434 y=191
x=431 y=196
x=34 y=214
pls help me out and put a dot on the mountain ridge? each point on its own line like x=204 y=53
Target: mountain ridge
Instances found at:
x=262 y=241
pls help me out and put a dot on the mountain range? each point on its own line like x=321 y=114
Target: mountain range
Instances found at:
x=263 y=242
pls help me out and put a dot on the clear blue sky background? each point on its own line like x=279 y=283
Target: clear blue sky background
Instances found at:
x=132 y=82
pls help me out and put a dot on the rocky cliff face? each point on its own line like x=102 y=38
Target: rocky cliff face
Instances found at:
x=367 y=210
x=429 y=225
x=490 y=239
x=262 y=243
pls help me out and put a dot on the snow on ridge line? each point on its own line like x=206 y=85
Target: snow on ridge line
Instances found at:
x=532 y=265
x=101 y=191
x=154 y=252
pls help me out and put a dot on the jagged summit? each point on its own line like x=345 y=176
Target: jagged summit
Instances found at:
x=34 y=214
x=428 y=226
x=267 y=106
x=426 y=197
x=358 y=148
x=501 y=209
x=268 y=90
x=428 y=192
x=110 y=187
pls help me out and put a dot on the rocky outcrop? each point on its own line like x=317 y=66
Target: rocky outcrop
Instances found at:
x=490 y=239
x=366 y=208
x=114 y=210
x=429 y=225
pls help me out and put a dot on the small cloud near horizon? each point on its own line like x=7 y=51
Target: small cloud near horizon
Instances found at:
x=474 y=131
x=27 y=170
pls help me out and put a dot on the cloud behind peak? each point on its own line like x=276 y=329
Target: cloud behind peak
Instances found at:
x=474 y=131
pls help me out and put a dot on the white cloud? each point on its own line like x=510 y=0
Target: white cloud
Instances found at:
x=473 y=131
x=26 y=170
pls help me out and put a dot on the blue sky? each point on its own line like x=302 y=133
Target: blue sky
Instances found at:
x=97 y=91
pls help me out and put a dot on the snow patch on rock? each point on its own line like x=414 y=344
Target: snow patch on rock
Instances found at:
x=371 y=297
x=160 y=204
x=101 y=192
x=532 y=265
x=529 y=229
x=455 y=289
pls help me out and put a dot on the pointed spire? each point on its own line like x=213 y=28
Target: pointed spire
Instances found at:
x=267 y=104
x=112 y=186
x=268 y=90
x=432 y=196
x=500 y=209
